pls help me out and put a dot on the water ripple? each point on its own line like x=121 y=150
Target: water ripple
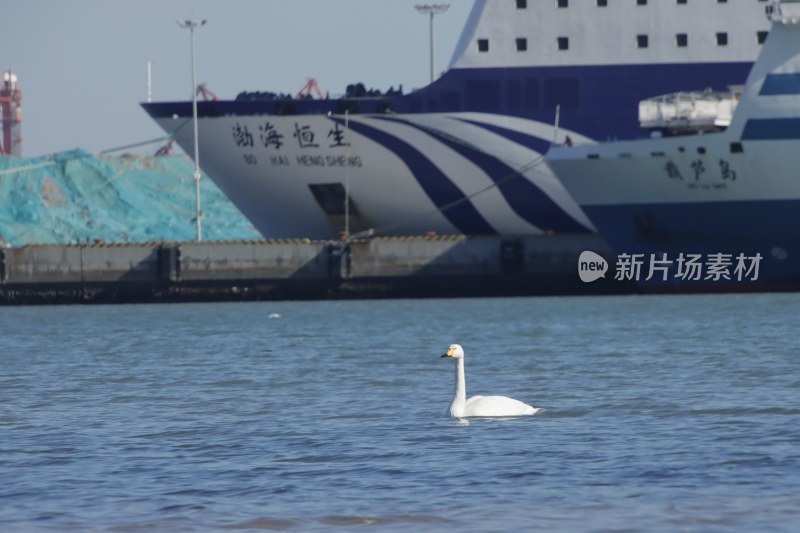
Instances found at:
x=333 y=416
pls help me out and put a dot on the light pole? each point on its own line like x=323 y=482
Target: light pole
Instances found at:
x=192 y=24
x=432 y=9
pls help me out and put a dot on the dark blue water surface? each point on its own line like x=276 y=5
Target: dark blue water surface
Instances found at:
x=672 y=413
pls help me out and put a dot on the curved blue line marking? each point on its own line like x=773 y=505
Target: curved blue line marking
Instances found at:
x=433 y=181
x=525 y=199
x=528 y=141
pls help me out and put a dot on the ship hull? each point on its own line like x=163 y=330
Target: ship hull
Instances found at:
x=717 y=196
x=673 y=232
x=405 y=174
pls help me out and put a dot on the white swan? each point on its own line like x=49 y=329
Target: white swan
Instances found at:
x=462 y=406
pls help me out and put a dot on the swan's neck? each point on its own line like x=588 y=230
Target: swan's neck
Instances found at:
x=460 y=393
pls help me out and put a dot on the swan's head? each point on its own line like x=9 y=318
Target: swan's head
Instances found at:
x=455 y=351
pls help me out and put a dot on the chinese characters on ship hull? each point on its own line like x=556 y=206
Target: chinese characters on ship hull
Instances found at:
x=698 y=176
x=307 y=140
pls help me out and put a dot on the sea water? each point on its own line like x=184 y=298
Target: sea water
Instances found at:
x=670 y=413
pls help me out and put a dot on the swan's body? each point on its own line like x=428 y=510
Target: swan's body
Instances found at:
x=462 y=407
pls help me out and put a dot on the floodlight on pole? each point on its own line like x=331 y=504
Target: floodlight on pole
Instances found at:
x=432 y=9
x=192 y=24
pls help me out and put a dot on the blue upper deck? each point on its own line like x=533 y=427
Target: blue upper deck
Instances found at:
x=597 y=101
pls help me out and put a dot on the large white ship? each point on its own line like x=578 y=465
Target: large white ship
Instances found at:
x=714 y=210
x=463 y=155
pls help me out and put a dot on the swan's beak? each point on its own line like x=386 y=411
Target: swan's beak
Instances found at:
x=449 y=353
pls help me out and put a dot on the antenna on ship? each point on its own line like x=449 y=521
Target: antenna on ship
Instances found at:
x=347 y=175
x=149 y=82
x=432 y=9
x=192 y=24
x=555 y=129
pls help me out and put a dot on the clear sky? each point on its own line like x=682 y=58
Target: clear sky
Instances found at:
x=82 y=64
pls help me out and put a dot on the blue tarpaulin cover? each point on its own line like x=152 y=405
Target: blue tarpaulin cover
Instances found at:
x=78 y=197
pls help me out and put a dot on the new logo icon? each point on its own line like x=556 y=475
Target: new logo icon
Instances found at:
x=591 y=267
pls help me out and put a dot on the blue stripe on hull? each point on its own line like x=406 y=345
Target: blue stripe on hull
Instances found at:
x=775 y=84
x=536 y=144
x=526 y=199
x=771 y=228
x=764 y=129
x=442 y=192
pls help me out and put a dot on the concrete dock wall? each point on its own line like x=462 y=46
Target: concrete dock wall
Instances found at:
x=298 y=269
x=77 y=264
x=473 y=256
x=253 y=260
